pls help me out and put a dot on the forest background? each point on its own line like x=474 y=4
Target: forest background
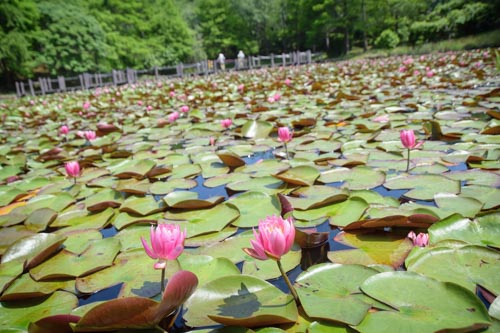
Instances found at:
x=67 y=37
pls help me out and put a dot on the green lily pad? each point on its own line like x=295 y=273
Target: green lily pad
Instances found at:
x=9 y=271
x=160 y=187
x=189 y=200
x=340 y=213
x=254 y=206
x=100 y=254
x=225 y=249
x=473 y=265
x=239 y=300
x=92 y=220
x=142 y=206
x=40 y=218
x=25 y=287
x=208 y=268
x=132 y=168
x=103 y=199
x=33 y=250
x=423 y=187
x=357 y=178
x=300 y=175
x=56 y=202
x=79 y=240
x=198 y=222
x=331 y=292
x=124 y=270
x=372 y=248
x=268 y=269
x=31 y=310
x=315 y=196
x=256 y=129
x=267 y=184
x=483 y=230
x=124 y=220
x=421 y=304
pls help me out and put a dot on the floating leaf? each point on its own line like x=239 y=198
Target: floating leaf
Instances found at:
x=240 y=300
x=254 y=206
x=423 y=187
x=421 y=304
x=331 y=292
x=301 y=175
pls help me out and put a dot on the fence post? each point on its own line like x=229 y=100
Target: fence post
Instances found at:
x=272 y=60
x=62 y=83
x=18 y=90
x=156 y=72
x=32 y=90
x=42 y=88
x=180 y=70
x=309 y=56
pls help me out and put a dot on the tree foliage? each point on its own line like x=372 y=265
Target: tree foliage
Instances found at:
x=75 y=36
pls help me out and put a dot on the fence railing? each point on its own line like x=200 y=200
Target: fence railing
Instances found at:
x=47 y=85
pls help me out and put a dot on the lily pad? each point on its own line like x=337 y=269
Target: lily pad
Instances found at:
x=331 y=292
x=301 y=175
x=423 y=187
x=421 y=304
x=240 y=300
x=254 y=206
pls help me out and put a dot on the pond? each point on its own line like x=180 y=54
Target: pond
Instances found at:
x=210 y=155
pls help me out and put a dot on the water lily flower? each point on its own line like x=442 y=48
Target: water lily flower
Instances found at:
x=409 y=142
x=226 y=123
x=139 y=103
x=72 y=169
x=167 y=243
x=241 y=88
x=274 y=238
x=402 y=69
x=271 y=99
x=277 y=97
x=288 y=82
x=408 y=139
x=89 y=135
x=86 y=105
x=64 y=130
x=381 y=119
x=422 y=239
x=149 y=108
x=173 y=116
x=285 y=135
x=184 y=108
x=429 y=73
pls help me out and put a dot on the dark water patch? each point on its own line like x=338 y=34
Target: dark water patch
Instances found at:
x=102 y=295
x=108 y=232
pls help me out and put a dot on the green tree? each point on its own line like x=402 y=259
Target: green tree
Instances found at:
x=18 y=25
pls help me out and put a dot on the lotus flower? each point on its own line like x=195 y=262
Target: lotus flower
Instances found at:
x=167 y=243
x=173 y=116
x=72 y=169
x=86 y=105
x=288 y=82
x=408 y=140
x=241 y=88
x=274 y=238
x=184 y=109
x=422 y=239
x=226 y=123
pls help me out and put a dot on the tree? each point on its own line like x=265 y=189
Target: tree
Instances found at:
x=18 y=25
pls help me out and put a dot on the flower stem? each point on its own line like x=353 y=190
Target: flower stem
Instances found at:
x=286 y=150
x=162 y=281
x=288 y=283
x=408 y=161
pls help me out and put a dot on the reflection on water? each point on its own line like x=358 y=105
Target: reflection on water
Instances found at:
x=102 y=295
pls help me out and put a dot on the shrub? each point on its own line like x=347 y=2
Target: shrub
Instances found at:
x=388 y=39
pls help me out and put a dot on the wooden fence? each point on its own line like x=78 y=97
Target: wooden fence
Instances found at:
x=46 y=85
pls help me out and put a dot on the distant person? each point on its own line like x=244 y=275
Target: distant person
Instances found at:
x=222 y=61
x=241 y=59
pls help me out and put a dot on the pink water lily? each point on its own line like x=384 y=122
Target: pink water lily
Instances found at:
x=422 y=239
x=184 y=109
x=64 y=130
x=273 y=239
x=408 y=139
x=89 y=135
x=226 y=123
x=72 y=169
x=86 y=105
x=409 y=142
x=173 y=116
x=284 y=134
x=167 y=243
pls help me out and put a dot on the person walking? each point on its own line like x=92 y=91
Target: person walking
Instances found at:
x=241 y=59
x=222 y=61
